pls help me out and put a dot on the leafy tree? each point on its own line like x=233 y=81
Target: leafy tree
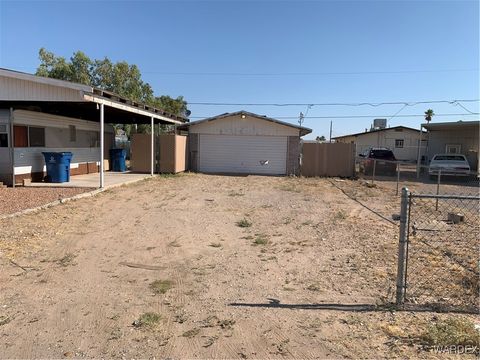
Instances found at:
x=320 y=138
x=120 y=78
x=176 y=106
x=428 y=115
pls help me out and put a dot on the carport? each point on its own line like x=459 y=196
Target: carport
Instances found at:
x=21 y=91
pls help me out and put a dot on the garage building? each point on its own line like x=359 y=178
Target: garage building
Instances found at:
x=244 y=143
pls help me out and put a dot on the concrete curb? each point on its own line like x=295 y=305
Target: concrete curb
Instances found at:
x=72 y=198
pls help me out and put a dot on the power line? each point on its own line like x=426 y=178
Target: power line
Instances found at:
x=372 y=104
x=464 y=108
x=326 y=73
x=349 y=116
x=398 y=112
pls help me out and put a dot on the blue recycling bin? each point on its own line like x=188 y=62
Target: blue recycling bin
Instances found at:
x=58 y=166
x=118 y=157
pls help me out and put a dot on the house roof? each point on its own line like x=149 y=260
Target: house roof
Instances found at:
x=86 y=94
x=451 y=125
x=303 y=130
x=44 y=80
x=376 y=131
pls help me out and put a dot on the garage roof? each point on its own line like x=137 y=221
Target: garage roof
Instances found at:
x=303 y=130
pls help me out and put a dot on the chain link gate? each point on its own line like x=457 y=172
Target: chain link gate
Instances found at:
x=438 y=253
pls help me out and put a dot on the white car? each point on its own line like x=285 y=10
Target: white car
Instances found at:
x=449 y=164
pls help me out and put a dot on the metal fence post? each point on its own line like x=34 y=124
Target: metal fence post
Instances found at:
x=398 y=177
x=373 y=173
x=438 y=187
x=402 y=246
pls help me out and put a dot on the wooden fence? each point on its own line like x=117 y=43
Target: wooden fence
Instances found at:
x=329 y=159
x=170 y=153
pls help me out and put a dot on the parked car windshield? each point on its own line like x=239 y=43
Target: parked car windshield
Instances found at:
x=382 y=154
x=449 y=157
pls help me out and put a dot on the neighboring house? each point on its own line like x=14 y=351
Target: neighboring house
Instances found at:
x=459 y=137
x=40 y=114
x=244 y=143
x=402 y=140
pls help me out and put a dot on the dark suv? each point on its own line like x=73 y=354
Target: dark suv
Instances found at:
x=384 y=158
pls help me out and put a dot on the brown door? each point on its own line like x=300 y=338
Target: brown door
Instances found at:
x=20 y=135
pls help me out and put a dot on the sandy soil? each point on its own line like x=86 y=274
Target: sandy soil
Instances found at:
x=301 y=282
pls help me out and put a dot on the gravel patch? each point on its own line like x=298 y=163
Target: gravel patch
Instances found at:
x=17 y=199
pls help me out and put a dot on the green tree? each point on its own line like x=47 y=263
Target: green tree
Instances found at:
x=320 y=138
x=120 y=78
x=429 y=114
x=176 y=106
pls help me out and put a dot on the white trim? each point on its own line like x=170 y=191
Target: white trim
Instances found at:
x=20 y=170
x=99 y=100
x=102 y=144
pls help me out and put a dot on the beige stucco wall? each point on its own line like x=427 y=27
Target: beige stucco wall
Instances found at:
x=346 y=139
x=235 y=125
x=387 y=139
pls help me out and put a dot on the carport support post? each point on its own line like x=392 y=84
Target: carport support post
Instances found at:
x=102 y=141
x=402 y=249
x=152 y=164
x=419 y=153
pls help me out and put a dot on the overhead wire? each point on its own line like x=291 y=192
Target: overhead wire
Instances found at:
x=321 y=73
x=372 y=104
x=351 y=116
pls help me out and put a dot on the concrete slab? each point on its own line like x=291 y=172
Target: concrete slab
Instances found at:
x=111 y=178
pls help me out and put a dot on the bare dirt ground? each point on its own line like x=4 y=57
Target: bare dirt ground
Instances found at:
x=164 y=268
x=17 y=199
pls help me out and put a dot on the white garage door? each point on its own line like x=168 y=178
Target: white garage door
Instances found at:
x=243 y=154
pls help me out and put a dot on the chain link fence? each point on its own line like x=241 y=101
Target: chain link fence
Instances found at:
x=397 y=174
x=438 y=258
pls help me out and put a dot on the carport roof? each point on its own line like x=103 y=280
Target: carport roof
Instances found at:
x=82 y=105
x=451 y=125
x=303 y=130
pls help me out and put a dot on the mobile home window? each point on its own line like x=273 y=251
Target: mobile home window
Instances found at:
x=36 y=137
x=73 y=133
x=452 y=149
x=3 y=135
x=399 y=143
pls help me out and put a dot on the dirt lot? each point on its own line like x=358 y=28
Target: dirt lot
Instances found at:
x=197 y=266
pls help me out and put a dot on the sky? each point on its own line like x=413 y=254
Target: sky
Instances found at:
x=272 y=52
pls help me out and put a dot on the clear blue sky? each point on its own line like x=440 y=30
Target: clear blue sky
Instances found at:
x=270 y=52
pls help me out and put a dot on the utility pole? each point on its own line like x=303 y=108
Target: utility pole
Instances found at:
x=301 y=118
x=330 y=131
